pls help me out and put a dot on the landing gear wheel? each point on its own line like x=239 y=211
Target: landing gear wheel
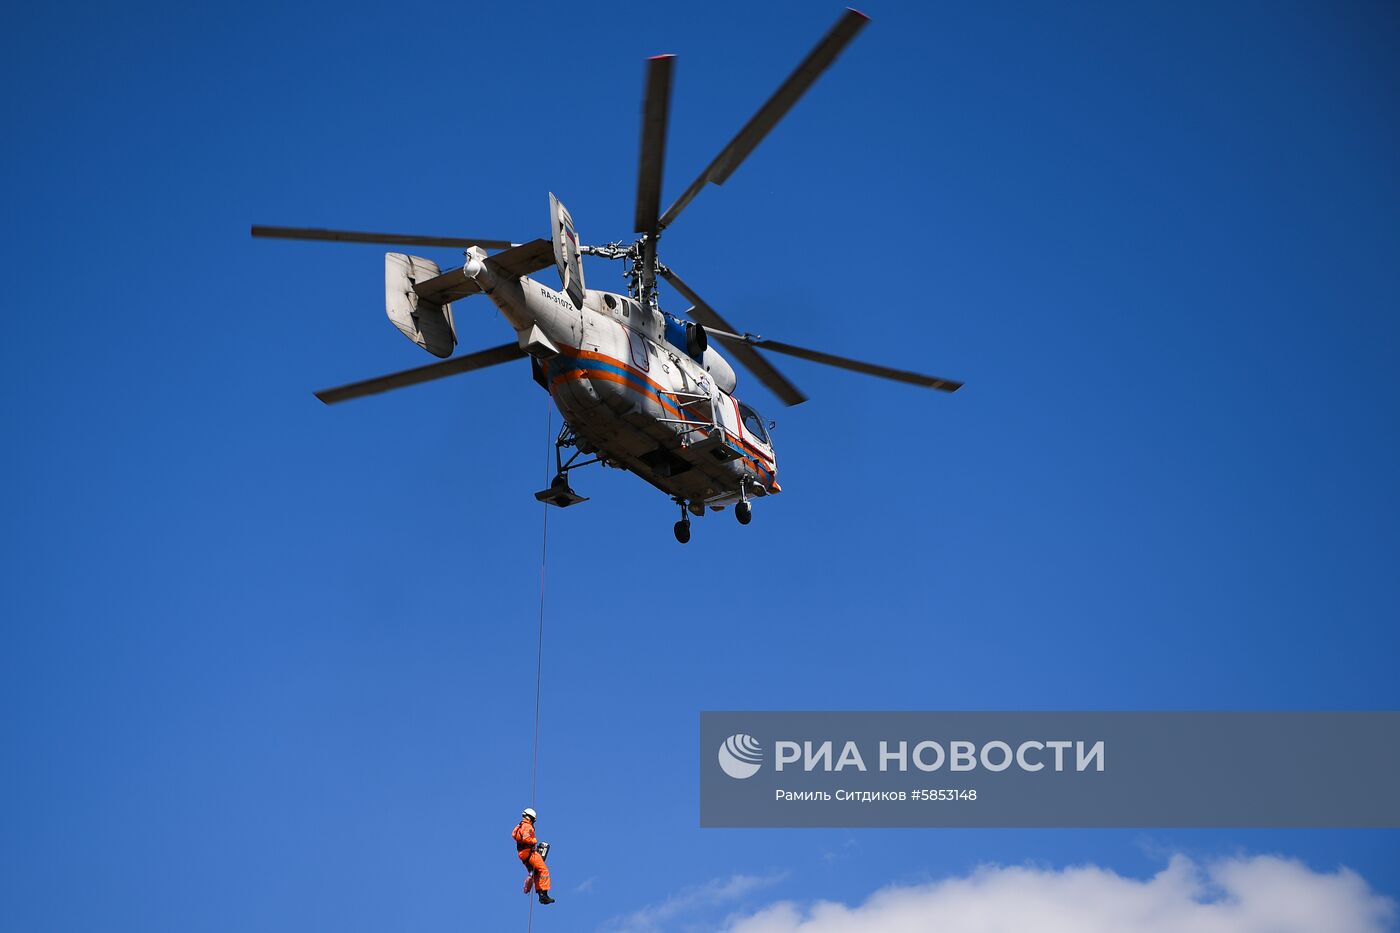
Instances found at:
x=743 y=512
x=682 y=531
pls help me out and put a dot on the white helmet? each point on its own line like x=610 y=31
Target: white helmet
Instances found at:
x=529 y=814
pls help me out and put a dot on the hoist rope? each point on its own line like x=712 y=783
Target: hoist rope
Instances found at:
x=539 y=637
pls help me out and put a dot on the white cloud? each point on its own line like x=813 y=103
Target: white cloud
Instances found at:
x=685 y=905
x=849 y=848
x=1261 y=894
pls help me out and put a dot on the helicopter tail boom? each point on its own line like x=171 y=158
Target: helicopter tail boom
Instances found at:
x=418 y=296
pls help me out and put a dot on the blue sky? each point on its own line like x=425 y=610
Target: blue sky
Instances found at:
x=270 y=665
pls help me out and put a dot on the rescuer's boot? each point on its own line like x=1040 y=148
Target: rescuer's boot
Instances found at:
x=545 y=898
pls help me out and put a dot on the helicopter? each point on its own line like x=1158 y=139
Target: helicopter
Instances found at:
x=639 y=388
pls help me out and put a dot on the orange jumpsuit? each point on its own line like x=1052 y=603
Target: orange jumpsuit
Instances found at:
x=524 y=836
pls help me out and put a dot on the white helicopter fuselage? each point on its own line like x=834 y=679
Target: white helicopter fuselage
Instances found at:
x=639 y=388
x=636 y=399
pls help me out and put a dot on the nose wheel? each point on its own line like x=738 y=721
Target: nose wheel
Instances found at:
x=743 y=512
x=682 y=527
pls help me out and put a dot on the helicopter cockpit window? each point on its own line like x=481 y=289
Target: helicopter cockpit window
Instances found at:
x=753 y=423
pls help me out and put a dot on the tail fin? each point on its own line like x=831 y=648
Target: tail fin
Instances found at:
x=421 y=320
x=566 y=250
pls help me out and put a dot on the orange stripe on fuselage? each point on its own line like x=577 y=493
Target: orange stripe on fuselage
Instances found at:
x=769 y=460
x=573 y=375
x=613 y=361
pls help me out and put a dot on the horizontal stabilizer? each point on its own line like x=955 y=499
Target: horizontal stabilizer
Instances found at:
x=446 y=288
x=522 y=260
x=511 y=264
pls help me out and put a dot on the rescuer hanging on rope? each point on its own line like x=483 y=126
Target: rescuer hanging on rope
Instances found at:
x=532 y=853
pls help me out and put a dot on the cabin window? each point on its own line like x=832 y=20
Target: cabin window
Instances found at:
x=753 y=422
x=610 y=301
x=639 y=350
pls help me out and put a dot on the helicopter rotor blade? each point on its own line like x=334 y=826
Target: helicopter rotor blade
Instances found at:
x=742 y=348
x=388 y=239
x=841 y=362
x=787 y=94
x=462 y=364
x=656 y=107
